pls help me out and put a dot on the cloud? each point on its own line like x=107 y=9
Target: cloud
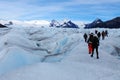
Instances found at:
x=95 y=1
x=21 y=8
x=48 y=9
x=11 y=9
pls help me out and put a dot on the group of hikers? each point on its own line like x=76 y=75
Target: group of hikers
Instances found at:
x=93 y=41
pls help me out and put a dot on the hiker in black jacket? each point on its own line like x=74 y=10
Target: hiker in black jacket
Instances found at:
x=99 y=34
x=85 y=37
x=95 y=45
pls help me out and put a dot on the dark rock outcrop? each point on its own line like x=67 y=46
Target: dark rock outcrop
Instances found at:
x=2 y=26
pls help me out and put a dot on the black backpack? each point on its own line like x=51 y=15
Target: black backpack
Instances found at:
x=95 y=41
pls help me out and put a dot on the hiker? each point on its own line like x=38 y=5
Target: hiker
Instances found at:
x=96 y=31
x=85 y=37
x=99 y=35
x=103 y=35
x=106 y=33
x=95 y=44
x=90 y=40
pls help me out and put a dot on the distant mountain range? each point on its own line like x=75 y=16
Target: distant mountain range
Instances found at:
x=98 y=23
x=53 y=23
x=68 y=24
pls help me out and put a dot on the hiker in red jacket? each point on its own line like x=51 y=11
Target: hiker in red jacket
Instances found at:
x=90 y=40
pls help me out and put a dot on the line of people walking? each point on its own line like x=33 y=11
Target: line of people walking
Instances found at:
x=93 y=41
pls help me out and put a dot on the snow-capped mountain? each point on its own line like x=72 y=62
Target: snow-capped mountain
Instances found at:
x=2 y=26
x=113 y=23
x=66 y=24
x=69 y=24
x=95 y=22
x=54 y=23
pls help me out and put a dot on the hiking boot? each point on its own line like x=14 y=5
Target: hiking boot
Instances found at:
x=91 y=55
x=97 y=57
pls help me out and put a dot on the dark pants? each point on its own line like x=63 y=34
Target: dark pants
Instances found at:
x=96 y=52
x=85 y=39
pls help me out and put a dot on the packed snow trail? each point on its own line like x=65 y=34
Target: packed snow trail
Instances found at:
x=63 y=71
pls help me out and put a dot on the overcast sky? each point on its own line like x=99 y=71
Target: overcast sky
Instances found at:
x=79 y=10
